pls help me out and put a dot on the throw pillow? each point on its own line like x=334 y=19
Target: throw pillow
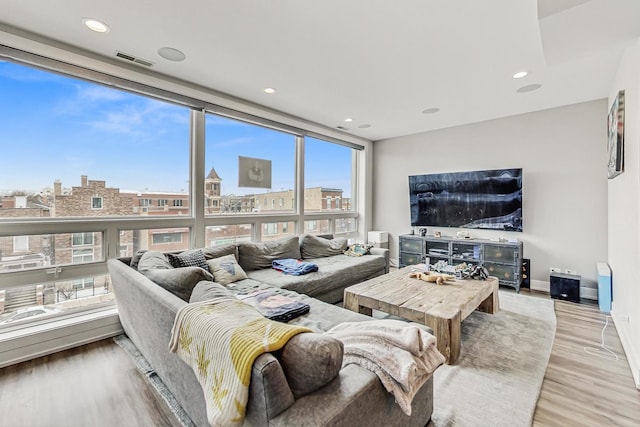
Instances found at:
x=226 y=270
x=206 y=290
x=188 y=259
x=135 y=259
x=358 y=249
x=222 y=250
x=318 y=247
x=255 y=256
x=310 y=361
x=178 y=281
x=153 y=259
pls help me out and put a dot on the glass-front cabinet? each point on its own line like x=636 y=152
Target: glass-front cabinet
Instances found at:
x=502 y=259
x=412 y=250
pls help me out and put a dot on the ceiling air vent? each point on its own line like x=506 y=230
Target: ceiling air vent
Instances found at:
x=133 y=59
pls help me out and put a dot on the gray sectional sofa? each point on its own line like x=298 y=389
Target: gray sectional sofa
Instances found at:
x=348 y=396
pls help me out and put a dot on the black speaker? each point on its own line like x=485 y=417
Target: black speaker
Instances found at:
x=565 y=286
x=526 y=277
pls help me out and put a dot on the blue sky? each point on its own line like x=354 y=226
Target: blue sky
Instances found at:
x=55 y=127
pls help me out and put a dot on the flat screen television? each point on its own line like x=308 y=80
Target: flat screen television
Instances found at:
x=490 y=199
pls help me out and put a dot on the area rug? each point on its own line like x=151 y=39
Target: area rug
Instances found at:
x=497 y=379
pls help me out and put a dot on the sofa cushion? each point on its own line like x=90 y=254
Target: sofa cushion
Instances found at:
x=254 y=256
x=318 y=247
x=219 y=251
x=153 y=259
x=334 y=274
x=188 y=259
x=206 y=290
x=226 y=269
x=310 y=361
x=178 y=281
x=135 y=259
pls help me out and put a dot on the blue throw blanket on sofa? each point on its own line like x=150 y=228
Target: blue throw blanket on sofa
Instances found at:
x=293 y=266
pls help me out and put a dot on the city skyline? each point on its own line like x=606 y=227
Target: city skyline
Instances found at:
x=59 y=128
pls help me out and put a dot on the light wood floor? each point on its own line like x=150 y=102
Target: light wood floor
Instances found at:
x=582 y=388
x=97 y=385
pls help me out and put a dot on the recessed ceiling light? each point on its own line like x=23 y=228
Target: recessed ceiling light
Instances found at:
x=364 y=126
x=269 y=90
x=348 y=120
x=430 y=111
x=520 y=74
x=171 y=54
x=95 y=25
x=529 y=88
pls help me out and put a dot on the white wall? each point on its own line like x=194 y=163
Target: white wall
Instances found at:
x=563 y=155
x=624 y=215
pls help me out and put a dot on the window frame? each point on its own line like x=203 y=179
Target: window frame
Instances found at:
x=195 y=219
x=93 y=202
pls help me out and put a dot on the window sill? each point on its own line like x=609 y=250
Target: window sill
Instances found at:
x=30 y=341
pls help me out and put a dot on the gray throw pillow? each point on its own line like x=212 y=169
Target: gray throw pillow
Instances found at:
x=310 y=361
x=222 y=250
x=254 y=256
x=188 y=259
x=178 y=281
x=206 y=290
x=135 y=259
x=153 y=259
x=318 y=247
x=226 y=270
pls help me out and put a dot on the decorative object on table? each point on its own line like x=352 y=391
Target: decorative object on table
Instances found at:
x=477 y=272
x=432 y=276
x=437 y=234
x=443 y=267
x=615 y=133
x=423 y=231
x=462 y=234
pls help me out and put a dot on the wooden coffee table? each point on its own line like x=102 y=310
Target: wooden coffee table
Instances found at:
x=441 y=307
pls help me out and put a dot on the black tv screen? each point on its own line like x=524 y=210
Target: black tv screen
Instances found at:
x=490 y=199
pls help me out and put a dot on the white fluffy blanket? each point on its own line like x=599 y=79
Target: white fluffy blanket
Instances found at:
x=402 y=355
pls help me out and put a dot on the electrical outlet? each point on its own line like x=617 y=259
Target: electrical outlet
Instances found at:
x=555 y=270
x=568 y=271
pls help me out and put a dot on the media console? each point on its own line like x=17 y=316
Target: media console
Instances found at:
x=502 y=259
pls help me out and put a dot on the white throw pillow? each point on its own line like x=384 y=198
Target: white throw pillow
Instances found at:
x=226 y=270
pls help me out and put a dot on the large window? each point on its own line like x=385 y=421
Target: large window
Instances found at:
x=222 y=234
x=156 y=239
x=66 y=144
x=243 y=163
x=72 y=148
x=79 y=157
x=328 y=176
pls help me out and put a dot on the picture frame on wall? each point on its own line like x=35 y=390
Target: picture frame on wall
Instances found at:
x=615 y=133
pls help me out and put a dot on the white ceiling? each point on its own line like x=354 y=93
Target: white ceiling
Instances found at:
x=379 y=62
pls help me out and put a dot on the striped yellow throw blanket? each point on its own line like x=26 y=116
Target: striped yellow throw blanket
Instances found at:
x=220 y=339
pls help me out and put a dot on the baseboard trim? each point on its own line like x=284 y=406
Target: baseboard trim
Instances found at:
x=30 y=343
x=632 y=353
